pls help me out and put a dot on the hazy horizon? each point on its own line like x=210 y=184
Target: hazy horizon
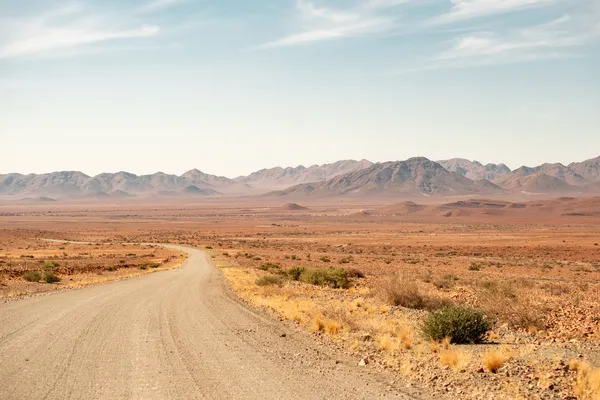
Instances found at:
x=232 y=87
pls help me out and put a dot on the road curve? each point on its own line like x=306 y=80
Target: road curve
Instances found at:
x=168 y=335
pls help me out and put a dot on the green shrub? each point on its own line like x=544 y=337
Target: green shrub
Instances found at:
x=145 y=266
x=269 y=280
x=32 y=276
x=269 y=266
x=460 y=324
x=153 y=265
x=294 y=273
x=51 y=277
x=50 y=265
x=208 y=247
x=325 y=259
x=474 y=267
x=332 y=277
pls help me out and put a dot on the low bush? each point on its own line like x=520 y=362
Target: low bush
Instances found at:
x=294 y=273
x=460 y=324
x=269 y=267
x=153 y=265
x=51 y=277
x=332 y=277
x=270 y=280
x=32 y=276
x=50 y=265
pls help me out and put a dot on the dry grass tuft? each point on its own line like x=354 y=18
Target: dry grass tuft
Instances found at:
x=386 y=343
x=332 y=327
x=449 y=358
x=446 y=343
x=494 y=359
x=405 y=336
x=317 y=324
x=434 y=346
x=587 y=384
x=454 y=359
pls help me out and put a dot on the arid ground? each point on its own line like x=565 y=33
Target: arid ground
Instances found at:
x=535 y=275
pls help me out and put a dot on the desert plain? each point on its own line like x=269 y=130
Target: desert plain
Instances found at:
x=532 y=267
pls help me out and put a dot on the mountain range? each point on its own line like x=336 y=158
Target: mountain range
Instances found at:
x=413 y=177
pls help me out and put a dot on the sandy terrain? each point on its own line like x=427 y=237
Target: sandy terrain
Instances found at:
x=534 y=273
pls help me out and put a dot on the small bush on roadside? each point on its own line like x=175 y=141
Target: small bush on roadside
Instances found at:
x=51 y=277
x=332 y=277
x=208 y=247
x=32 y=276
x=269 y=280
x=143 y=267
x=153 y=265
x=460 y=324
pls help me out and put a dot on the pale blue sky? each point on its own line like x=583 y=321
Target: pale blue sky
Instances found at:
x=231 y=86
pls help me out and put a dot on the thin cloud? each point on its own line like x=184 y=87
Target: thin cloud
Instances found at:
x=561 y=32
x=323 y=23
x=62 y=29
x=552 y=40
x=467 y=9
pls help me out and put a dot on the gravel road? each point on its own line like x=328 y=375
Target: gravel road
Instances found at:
x=175 y=334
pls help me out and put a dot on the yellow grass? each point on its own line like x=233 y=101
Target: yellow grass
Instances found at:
x=494 y=359
x=405 y=336
x=453 y=359
x=386 y=343
x=332 y=327
x=587 y=383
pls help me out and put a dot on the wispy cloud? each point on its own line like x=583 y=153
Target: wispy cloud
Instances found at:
x=466 y=9
x=556 y=39
x=320 y=23
x=63 y=28
x=559 y=33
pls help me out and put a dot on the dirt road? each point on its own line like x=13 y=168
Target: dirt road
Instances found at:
x=169 y=335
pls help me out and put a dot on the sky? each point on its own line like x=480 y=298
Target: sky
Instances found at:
x=233 y=86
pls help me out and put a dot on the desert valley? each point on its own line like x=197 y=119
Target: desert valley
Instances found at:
x=369 y=264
